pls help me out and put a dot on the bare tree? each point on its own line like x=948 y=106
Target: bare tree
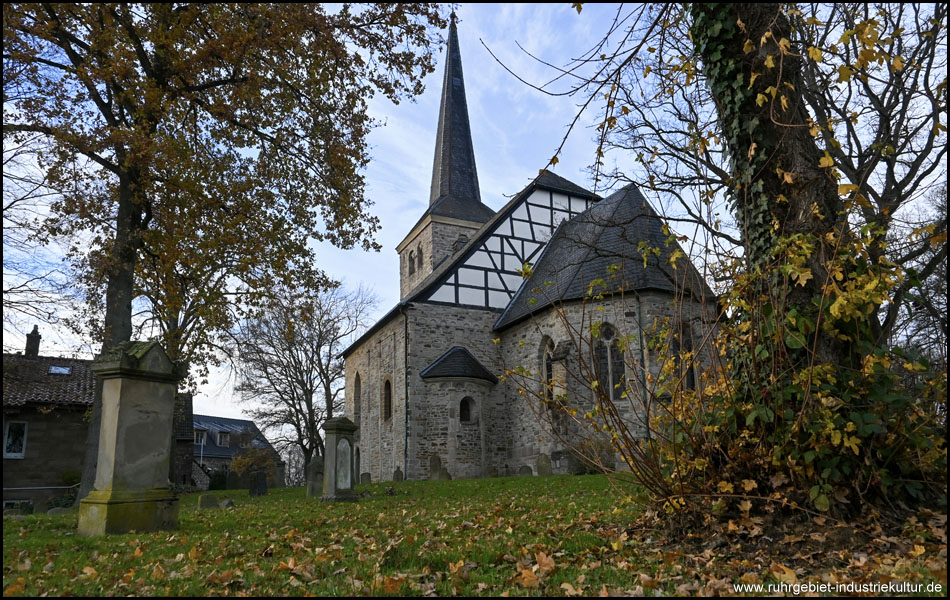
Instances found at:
x=290 y=366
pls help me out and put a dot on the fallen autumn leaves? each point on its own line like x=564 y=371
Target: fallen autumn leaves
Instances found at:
x=536 y=536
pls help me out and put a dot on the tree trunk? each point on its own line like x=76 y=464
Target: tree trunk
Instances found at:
x=118 y=318
x=779 y=187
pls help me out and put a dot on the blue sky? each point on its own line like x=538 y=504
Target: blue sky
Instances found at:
x=515 y=130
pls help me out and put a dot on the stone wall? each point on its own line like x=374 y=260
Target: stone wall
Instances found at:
x=508 y=434
x=434 y=422
x=54 y=452
x=421 y=243
x=534 y=438
x=379 y=359
x=437 y=242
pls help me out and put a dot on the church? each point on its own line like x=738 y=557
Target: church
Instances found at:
x=557 y=283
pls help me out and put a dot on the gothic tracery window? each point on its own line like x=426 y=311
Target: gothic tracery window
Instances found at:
x=609 y=363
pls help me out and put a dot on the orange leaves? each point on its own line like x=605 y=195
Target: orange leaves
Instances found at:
x=530 y=576
x=783 y=573
x=528 y=579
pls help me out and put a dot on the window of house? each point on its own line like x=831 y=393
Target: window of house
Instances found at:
x=59 y=370
x=200 y=437
x=419 y=259
x=387 y=401
x=465 y=410
x=412 y=262
x=14 y=439
x=224 y=439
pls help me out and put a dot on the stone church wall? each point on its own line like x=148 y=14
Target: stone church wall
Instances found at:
x=435 y=242
x=523 y=345
x=464 y=449
x=380 y=442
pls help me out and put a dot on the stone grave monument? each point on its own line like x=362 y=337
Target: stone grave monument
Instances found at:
x=315 y=477
x=338 y=475
x=132 y=491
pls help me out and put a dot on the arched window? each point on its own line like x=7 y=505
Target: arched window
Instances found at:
x=609 y=363
x=681 y=349
x=419 y=258
x=387 y=401
x=412 y=262
x=547 y=370
x=465 y=409
x=357 y=390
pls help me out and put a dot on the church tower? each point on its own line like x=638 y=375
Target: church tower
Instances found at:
x=455 y=210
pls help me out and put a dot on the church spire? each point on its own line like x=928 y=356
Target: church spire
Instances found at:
x=453 y=169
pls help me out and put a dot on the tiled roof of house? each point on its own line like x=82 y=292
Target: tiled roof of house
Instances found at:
x=47 y=380
x=458 y=362
x=606 y=243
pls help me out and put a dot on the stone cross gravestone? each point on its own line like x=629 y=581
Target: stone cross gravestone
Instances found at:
x=338 y=475
x=131 y=489
x=315 y=477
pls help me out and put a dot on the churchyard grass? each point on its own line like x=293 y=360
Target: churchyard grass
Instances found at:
x=525 y=536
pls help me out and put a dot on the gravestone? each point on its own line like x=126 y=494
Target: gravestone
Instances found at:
x=435 y=466
x=315 y=477
x=58 y=510
x=131 y=489
x=366 y=478
x=258 y=484
x=444 y=474
x=227 y=503
x=397 y=474
x=207 y=501
x=544 y=465
x=338 y=475
x=525 y=470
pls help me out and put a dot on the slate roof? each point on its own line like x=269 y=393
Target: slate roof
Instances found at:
x=212 y=425
x=28 y=381
x=583 y=250
x=458 y=362
x=454 y=191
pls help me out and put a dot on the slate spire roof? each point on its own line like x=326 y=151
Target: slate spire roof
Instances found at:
x=454 y=192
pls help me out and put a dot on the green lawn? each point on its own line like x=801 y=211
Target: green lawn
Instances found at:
x=558 y=535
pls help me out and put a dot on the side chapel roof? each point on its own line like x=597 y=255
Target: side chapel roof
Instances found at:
x=458 y=362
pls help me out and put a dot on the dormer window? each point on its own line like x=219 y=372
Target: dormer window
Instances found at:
x=59 y=370
x=224 y=439
x=200 y=437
